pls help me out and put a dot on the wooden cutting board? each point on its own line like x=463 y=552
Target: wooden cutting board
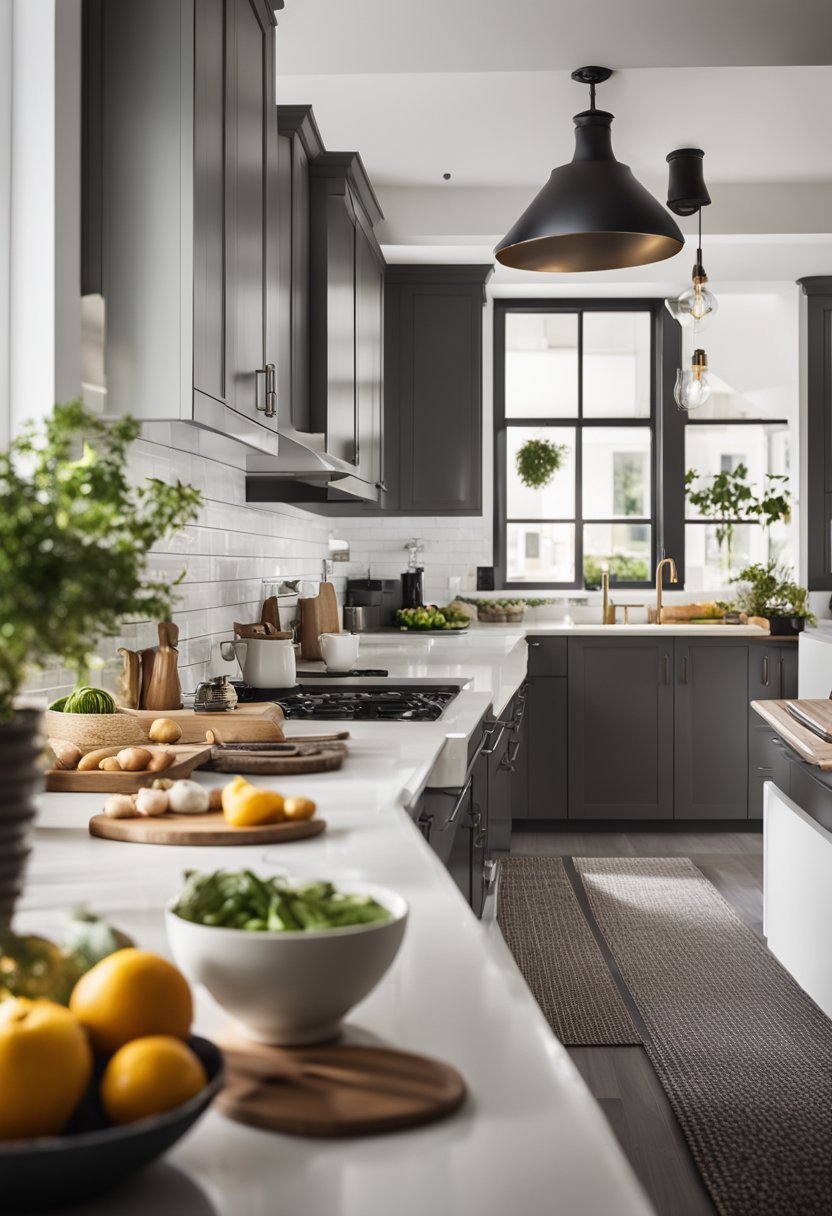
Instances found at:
x=318 y=614
x=805 y=742
x=208 y=829
x=285 y=759
x=334 y=1090
x=256 y=721
x=69 y=781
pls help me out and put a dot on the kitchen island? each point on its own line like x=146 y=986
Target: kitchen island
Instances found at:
x=530 y=1137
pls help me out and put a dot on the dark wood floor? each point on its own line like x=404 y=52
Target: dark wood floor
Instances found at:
x=622 y=1078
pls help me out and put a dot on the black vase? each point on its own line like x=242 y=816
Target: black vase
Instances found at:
x=785 y=626
x=21 y=780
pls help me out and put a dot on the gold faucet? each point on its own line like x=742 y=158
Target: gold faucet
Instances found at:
x=608 y=607
x=674 y=578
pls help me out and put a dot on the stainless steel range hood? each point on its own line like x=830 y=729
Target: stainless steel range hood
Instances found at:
x=302 y=472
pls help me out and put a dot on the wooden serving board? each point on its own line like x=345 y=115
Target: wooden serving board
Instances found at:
x=805 y=742
x=255 y=721
x=284 y=760
x=334 y=1090
x=208 y=829
x=70 y=781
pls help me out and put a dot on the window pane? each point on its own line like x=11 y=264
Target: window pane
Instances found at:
x=617 y=364
x=707 y=562
x=541 y=365
x=555 y=501
x=624 y=548
x=616 y=472
x=717 y=449
x=540 y=553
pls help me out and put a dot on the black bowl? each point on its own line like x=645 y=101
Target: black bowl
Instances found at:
x=93 y=1155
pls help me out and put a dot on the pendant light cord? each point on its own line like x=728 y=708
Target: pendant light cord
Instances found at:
x=592 y=96
x=699 y=246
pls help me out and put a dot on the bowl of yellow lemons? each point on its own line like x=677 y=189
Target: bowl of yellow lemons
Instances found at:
x=96 y=1090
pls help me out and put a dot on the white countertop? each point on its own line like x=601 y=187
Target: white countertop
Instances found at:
x=529 y=1139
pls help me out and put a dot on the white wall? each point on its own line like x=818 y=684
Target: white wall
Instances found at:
x=6 y=25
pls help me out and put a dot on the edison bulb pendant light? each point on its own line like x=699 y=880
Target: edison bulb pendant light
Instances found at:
x=693 y=384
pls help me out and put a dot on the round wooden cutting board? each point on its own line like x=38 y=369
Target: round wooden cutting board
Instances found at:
x=208 y=829
x=333 y=1089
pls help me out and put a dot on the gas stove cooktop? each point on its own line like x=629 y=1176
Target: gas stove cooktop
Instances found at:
x=354 y=702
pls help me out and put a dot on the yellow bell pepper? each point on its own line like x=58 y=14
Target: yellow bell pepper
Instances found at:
x=245 y=805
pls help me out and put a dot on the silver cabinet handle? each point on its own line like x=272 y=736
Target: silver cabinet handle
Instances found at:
x=535 y=645
x=466 y=789
x=382 y=485
x=479 y=832
x=425 y=822
x=510 y=758
x=269 y=408
x=765 y=671
x=489 y=751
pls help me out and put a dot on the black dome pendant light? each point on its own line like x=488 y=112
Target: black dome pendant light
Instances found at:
x=592 y=214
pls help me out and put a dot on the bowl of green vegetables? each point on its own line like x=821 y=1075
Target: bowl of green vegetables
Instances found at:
x=287 y=959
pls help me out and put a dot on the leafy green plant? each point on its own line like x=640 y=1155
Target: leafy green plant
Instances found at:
x=729 y=499
x=538 y=460
x=624 y=569
x=74 y=542
x=768 y=590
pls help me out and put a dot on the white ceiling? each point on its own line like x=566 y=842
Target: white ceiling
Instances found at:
x=372 y=36
x=482 y=90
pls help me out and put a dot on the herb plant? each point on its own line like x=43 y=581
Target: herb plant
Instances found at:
x=768 y=590
x=730 y=499
x=538 y=460
x=74 y=542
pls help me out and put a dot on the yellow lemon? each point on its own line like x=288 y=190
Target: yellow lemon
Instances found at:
x=245 y=805
x=149 y=1076
x=130 y=994
x=45 y=1066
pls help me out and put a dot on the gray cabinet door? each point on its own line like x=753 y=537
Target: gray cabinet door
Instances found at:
x=711 y=729
x=252 y=207
x=546 y=750
x=499 y=789
x=293 y=248
x=440 y=402
x=772 y=674
x=369 y=301
x=518 y=756
x=620 y=728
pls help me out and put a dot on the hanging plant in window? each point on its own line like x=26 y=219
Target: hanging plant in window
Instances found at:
x=537 y=462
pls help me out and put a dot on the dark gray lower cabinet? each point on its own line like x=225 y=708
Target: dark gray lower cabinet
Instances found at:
x=546 y=750
x=711 y=729
x=620 y=728
x=772 y=673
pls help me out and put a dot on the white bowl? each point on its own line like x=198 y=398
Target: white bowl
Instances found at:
x=292 y=987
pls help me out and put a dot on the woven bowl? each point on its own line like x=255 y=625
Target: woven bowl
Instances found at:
x=94 y=730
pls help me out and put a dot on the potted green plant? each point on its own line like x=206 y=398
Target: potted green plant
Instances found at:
x=538 y=460
x=730 y=499
x=767 y=590
x=74 y=542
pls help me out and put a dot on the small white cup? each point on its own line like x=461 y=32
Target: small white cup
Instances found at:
x=340 y=650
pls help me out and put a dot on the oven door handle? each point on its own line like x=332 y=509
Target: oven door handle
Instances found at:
x=504 y=726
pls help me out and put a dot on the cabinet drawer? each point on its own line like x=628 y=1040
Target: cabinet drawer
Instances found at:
x=547 y=656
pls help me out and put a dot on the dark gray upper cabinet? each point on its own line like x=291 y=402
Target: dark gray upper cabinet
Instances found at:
x=298 y=142
x=711 y=729
x=189 y=268
x=816 y=418
x=433 y=324
x=621 y=728
x=346 y=284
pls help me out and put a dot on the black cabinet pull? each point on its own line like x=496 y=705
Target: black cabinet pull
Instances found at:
x=765 y=671
x=684 y=669
x=666 y=664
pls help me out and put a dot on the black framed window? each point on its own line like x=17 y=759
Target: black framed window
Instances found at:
x=587 y=375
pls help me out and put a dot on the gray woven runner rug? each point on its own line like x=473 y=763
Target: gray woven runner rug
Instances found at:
x=744 y=1056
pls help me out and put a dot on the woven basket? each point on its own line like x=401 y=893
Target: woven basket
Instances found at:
x=94 y=730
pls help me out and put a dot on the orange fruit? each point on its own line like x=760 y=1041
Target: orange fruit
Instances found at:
x=299 y=808
x=130 y=994
x=45 y=1066
x=149 y=1076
